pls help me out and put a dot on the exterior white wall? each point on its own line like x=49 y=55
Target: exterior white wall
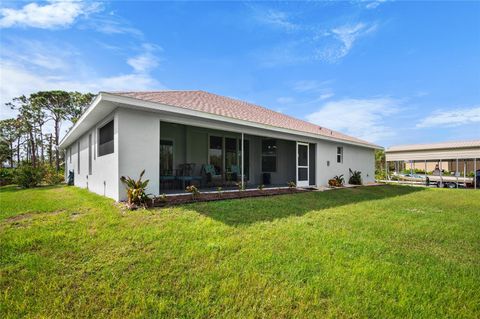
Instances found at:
x=354 y=157
x=104 y=177
x=139 y=148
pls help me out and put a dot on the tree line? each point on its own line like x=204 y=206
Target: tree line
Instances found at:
x=33 y=136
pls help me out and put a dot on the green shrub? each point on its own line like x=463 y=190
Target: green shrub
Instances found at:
x=26 y=176
x=6 y=176
x=355 y=178
x=136 y=191
x=336 y=181
x=242 y=186
x=192 y=189
x=51 y=177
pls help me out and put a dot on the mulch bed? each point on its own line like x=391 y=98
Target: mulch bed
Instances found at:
x=172 y=200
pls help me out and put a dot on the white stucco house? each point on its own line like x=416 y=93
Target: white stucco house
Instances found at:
x=195 y=137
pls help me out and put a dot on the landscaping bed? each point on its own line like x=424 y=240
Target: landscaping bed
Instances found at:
x=171 y=200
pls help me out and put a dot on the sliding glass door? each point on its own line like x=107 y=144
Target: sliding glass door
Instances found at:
x=215 y=153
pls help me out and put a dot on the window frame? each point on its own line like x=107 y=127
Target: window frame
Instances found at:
x=78 y=156
x=105 y=123
x=340 y=154
x=90 y=155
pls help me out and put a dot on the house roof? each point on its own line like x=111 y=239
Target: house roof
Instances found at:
x=231 y=108
x=434 y=146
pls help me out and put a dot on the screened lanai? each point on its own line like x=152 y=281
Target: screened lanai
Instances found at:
x=211 y=159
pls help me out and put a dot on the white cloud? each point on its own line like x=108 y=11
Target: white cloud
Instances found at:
x=111 y=24
x=362 y=118
x=21 y=75
x=54 y=14
x=326 y=96
x=345 y=36
x=451 y=118
x=145 y=61
x=374 y=4
x=275 y=18
x=318 y=88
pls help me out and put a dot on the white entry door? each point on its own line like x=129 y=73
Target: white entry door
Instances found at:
x=302 y=164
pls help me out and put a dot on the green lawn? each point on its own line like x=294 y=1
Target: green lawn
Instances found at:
x=373 y=252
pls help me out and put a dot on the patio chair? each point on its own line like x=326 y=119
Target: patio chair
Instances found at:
x=234 y=173
x=211 y=174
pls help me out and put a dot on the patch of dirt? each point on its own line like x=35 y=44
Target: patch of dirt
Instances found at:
x=18 y=218
x=75 y=215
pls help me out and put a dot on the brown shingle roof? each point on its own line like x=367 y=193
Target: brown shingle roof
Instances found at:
x=432 y=146
x=228 y=107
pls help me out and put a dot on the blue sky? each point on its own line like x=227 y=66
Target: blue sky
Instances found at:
x=388 y=72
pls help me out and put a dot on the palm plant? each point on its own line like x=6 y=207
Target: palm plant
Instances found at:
x=355 y=178
x=136 y=190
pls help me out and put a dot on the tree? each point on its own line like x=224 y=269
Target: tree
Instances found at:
x=9 y=134
x=79 y=103
x=61 y=106
x=27 y=138
x=28 y=118
x=5 y=153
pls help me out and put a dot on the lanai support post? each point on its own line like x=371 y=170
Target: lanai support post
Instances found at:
x=456 y=172
x=475 y=173
x=441 y=174
x=425 y=173
x=243 y=146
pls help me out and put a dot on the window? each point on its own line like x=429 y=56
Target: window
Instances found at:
x=230 y=153
x=78 y=157
x=70 y=157
x=166 y=158
x=339 y=154
x=269 y=155
x=90 y=154
x=105 y=139
x=94 y=145
x=215 y=153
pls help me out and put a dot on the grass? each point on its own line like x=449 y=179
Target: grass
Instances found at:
x=374 y=252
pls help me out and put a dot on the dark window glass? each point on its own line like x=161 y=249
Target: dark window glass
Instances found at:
x=216 y=154
x=303 y=174
x=105 y=139
x=78 y=157
x=230 y=153
x=246 y=161
x=302 y=155
x=269 y=155
x=90 y=154
x=166 y=158
x=339 y=154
